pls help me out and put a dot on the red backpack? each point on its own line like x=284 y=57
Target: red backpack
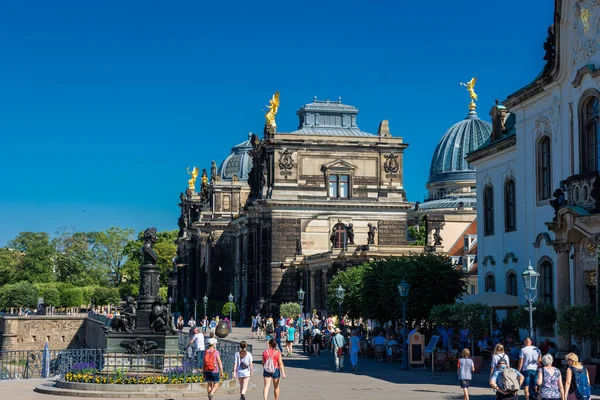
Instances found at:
x=209 y=361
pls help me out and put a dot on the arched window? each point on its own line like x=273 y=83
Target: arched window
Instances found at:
x=546 y=283
x=544 y=171
x=488 y=204
x=339 y=236
x=510 y=206
x=490 y=283
x=511 y=284
x=590 y=133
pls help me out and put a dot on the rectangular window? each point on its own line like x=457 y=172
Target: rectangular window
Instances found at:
x=339 y=186
x=472 y=289
x=333 y=186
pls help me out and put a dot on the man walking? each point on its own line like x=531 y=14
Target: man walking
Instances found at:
x=197 y=343
x=529 y=360
x=338 y=349
x=506 y=382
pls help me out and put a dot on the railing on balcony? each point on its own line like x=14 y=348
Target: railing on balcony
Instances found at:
x=583 y=190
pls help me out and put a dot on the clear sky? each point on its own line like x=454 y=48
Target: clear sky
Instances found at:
x=103 y=104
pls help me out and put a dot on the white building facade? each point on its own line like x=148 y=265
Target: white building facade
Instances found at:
x=545 y=137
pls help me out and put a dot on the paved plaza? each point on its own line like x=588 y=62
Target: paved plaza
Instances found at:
x=315 y=378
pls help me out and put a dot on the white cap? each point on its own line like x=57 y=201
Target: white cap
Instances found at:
x=212 y=340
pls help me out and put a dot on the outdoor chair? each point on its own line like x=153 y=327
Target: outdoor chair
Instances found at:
x=396 y=352
x=365 y=350
x=440 y=360
x=379 y=352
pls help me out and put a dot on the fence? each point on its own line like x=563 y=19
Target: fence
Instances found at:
x=93 y=365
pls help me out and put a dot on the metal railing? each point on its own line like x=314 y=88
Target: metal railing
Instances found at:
x=99 y=366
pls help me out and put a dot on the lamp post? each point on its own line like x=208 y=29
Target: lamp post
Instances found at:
x=530 y=280
x=339 y=294
x=205 y=300
x=171 y=304
x=261 y=303
x=301 y=294
x=195 y=316
x=403 y=289
x=230 y=298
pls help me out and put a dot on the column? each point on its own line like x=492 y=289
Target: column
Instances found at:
x=312 y=292
x=563 y=286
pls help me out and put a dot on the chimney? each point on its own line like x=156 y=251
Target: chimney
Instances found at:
x=384 y=129
x=498 y=114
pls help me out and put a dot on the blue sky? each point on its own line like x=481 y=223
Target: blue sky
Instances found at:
x=103 y=105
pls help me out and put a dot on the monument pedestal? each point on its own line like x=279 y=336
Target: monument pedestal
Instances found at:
x=167 y=342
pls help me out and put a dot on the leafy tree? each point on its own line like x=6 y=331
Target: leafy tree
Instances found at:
x=88 y=294
x=351 y=280
x=163 y=292
x=75 y=262
x=38 y=256
x=580 y=322
x=106 y=296
x=71 y=297
x=20 y=294
x=49 y=292
x=129 y=289
x=433 y=279
x=288 y=310
x=475 y=316
x=9 y=265
x=544 y=316
x=108 y=247
x=418 y=234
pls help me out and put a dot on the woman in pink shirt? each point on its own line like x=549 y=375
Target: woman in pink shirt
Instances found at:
x=273 y=369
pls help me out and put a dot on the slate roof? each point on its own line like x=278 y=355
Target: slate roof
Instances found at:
x=449 y=202
x=331 y=132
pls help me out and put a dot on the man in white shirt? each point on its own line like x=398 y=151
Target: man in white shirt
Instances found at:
x=529 y=360
x=197 y=343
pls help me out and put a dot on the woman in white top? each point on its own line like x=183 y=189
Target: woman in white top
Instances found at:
x=498 y=355
x=243 y=369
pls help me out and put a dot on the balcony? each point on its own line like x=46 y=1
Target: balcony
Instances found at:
x=583 y=190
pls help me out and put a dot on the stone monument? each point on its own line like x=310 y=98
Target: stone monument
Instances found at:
x=151 y=321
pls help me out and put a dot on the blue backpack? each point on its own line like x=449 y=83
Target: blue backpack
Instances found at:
x=582 y=386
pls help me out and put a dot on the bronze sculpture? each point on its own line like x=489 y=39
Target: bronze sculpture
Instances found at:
x=192 y=180
x=273 y=107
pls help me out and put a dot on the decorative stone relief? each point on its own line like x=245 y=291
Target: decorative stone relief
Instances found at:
x=555 y=116
x=542 y=127
x=391 y=164
x=286 y=162
x=487 y=180
x=586 y=30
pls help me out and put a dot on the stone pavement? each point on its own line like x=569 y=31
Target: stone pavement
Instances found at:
x=315 y=378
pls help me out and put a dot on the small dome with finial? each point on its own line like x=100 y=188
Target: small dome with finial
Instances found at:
x=238 y=163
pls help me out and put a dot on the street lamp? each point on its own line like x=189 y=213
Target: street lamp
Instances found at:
x=261 y=303
x=530 y=280
x=195 y=317
x=404 y=289
x=205 y=299
x=301 y=294
x=230 y=298
x=171 y=304
x=339 y=294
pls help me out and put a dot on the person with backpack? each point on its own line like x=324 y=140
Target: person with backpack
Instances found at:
x=506 y=381
x=466 y=367
x=530 y=358
x=498 y=355
x=269 y=329
x=549 y=380
x=273 y=369
x=212 y=368
x=242 y=368
x=577 y=375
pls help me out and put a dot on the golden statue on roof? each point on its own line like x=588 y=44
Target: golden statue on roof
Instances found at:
x=273 y=107
x=192 y=180
x=471 y=88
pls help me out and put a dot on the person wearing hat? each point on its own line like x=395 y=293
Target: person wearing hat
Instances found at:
x=338 y=349
x=212 y=368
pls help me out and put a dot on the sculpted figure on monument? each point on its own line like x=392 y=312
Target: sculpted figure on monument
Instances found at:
x=350 y=233
x=148 y=254
x=126 y=321
x=371 y=234
x=213 y=170
x=558 y=202
x=161 y=320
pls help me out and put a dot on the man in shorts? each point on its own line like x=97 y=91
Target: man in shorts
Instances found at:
x=530 y=359
x=254 y=326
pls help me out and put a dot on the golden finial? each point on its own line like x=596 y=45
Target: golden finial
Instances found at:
x=192 y=180
x=471 y=88
x=273 y=107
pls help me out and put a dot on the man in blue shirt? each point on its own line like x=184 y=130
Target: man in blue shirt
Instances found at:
x=279 y=332
x=497 y=383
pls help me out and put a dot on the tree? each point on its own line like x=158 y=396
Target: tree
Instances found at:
x=49 y=292
x=289 y=310
x=580 y=322
x=20 y=294
x=475 y=316
x=9 y=265
x=71 y=297
x=433 y=279
x=544 y=316
x=108 y=247
x=351 y=280
x=166 y=251
x=38 y=257
x=75 y=262
x=229 y=307
x=418 y=234
x=106 y=296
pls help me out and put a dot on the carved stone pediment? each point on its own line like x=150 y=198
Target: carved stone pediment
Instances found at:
x=338 y=165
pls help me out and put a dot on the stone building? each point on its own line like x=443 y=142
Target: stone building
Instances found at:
x=285 y=211
x=537 y=176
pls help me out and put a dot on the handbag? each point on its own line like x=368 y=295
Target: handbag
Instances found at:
x=340 y=351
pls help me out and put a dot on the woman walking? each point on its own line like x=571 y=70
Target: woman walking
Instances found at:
x=465 y=371
x=498 y=355
x=243 y=369
x=273 y=369
x=212 y=368
x=550 y=381
x=354 y=349
x=577 y=374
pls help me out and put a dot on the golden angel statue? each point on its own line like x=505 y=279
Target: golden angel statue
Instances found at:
x=192 y=180
x=273 y=107
x=471 y=88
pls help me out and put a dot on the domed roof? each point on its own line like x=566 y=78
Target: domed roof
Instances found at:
x=448 y=162
x=238 y=162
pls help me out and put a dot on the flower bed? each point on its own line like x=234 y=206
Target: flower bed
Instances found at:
x=80 y=377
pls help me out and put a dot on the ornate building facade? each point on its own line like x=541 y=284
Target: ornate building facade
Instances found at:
x=285 y=211
x=545 y=136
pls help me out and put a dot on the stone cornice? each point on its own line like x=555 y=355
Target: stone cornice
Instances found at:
x=492 y=148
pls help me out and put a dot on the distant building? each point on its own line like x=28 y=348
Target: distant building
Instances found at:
x=286 y=211
x=537 y=178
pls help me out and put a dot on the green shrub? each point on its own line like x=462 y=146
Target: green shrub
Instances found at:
x=49 y=292
x=289 y=310
x=21 y=294
x=71 y=297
